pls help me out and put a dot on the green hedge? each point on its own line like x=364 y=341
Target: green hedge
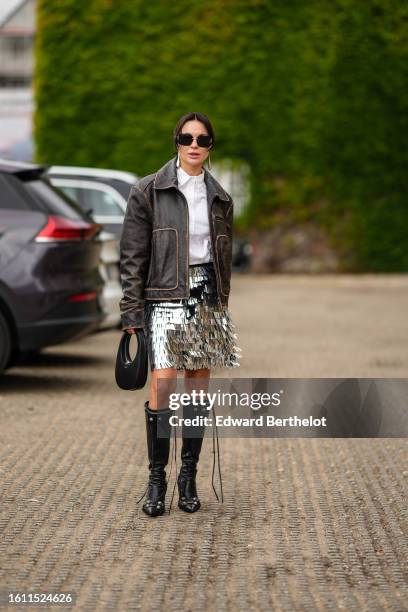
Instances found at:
x=312 y=95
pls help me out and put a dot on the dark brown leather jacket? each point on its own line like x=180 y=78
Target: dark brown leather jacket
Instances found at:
x=154 y=245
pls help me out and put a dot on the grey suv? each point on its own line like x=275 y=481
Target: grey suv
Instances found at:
x=50 y=284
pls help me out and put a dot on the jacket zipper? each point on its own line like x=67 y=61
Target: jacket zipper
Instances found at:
x=188 y=242
x=213 y=246
x=214 y=254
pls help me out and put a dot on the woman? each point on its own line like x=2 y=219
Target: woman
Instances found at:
x=176 y=255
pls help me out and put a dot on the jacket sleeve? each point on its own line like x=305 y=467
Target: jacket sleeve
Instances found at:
x=135 y=257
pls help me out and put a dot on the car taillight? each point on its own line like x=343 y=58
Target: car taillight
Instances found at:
x=59 y=229
x=83 y=297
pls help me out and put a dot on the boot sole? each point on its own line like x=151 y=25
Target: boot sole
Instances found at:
x=189 y=510
x=154 y=513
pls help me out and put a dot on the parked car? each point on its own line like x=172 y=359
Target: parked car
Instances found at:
x=241 y=255
x=50 y=282
x=102 y=193
x=109 y=270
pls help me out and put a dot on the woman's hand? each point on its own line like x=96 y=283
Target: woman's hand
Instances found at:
x=132 y=330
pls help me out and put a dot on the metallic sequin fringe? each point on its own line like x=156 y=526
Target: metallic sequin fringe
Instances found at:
x=192 y=333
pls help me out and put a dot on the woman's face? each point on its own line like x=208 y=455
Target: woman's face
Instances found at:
x=193 y=155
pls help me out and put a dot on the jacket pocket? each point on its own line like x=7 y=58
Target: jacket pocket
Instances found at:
x=164 y=260
x=222 y=223
x=224 y=258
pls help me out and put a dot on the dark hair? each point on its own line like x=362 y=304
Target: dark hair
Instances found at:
x=193 y=117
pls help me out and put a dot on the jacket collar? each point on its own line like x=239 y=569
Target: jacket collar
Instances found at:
x=166 y=177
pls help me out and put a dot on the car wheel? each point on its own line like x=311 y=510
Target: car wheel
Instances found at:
x=5 y=343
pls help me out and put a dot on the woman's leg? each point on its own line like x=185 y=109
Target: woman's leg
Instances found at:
x=192 y=377
x=192 y=441
x=158 y=432
x=163 y=382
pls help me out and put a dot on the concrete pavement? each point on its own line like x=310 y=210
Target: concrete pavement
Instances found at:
x=307 y=524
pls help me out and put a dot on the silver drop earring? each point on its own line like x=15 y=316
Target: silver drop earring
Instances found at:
x=209 y=162
x=178 y=161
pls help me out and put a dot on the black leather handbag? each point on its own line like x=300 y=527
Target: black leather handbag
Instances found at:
x=131 y=374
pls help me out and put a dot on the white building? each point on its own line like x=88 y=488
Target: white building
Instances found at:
x=17 y=32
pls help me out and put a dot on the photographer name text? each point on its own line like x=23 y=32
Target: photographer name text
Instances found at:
x=269 y=420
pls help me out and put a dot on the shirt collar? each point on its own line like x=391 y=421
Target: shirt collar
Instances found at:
x=183 y=177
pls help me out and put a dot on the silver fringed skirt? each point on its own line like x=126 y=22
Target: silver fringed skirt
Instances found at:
x=192 y=333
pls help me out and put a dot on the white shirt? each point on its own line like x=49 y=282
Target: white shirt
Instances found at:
x=195 y=192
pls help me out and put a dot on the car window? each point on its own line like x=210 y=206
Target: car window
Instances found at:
x=53 y=200
x=71 y=192
x=101 y=202
x=10 y=194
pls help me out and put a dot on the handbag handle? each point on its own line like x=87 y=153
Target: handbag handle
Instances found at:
x=131 y=374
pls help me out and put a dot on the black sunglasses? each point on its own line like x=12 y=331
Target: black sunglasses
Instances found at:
x=203 y=140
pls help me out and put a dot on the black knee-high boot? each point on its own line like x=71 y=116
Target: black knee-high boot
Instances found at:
x=157 y=425
x=190 y=454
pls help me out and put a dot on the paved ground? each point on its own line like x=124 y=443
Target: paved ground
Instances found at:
x=307 y=524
